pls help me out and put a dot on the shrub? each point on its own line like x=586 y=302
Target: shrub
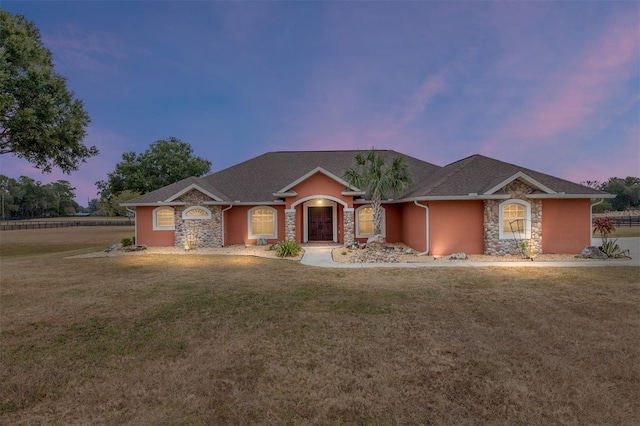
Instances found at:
x=604 y=226
x=288 y=248
x=126 y=242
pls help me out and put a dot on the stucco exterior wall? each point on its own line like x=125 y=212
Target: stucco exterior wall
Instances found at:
x=414 y=226
x=566 y=227
x=393 y=223
x=236 y=226
x=319 y=184
x=145 y=233
x=456 y=226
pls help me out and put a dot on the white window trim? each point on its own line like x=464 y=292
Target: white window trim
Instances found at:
x=527 y=221
x=250 y=235
x=207 y=216
x=155 y=219
x=383 y=222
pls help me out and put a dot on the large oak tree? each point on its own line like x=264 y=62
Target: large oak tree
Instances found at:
x=165 y=162
x=40 y=119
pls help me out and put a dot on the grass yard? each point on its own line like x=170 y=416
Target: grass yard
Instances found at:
x=192 y=339
x=624 y=231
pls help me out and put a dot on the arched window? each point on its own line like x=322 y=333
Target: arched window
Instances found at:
x=196 y=212
x=263 y=222
x=163 y=219
x=364 y=222
x=515 y=219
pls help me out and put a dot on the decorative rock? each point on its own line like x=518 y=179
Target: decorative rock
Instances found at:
x=408 y=251
x=113 y=247
x=139 y=247
x=376 y=242
x=592 y=252
x=458 y=256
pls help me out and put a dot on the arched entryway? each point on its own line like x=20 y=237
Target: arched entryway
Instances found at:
x=320 y=220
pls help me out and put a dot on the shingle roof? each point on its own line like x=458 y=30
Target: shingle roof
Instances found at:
x=166 y=192
x=478 y=174
x=256 y=179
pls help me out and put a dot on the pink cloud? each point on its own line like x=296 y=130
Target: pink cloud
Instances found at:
x=571 y=100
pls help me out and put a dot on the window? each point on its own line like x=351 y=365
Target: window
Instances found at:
x=196 y=212
x=515 y=219
x=364 y=222
x=263 y=222
x=163 y=219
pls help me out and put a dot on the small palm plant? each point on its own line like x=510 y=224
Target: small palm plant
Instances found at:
x=605 y=226
x=379 y=179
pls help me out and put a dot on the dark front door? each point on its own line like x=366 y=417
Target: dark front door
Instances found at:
x=320 y=224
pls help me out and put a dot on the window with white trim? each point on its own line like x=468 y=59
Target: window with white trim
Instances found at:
x=263 y=222
x=196 y=212
x=515 y=219
x=364 y=222
x=163 y=219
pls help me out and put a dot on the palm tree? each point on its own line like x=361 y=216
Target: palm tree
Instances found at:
x=379 y=179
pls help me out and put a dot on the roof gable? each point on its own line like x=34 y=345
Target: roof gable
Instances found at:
x=193 y=186
x=318 y=169
x=523 y=177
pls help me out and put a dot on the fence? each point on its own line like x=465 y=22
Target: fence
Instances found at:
x=13 y=226
x=628 y=221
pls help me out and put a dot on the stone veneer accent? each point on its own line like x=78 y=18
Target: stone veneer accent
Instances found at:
x=205 y=232
x=348 y=226
x=493 y=245
x=290 y=224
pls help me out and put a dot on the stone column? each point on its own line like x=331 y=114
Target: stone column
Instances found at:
x=348 y=226
x=290 y=224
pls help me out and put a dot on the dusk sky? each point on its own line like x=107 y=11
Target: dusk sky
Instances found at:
x=551 y=86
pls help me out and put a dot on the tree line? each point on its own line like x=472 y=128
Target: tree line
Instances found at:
x=26 y=198
x=627 y=192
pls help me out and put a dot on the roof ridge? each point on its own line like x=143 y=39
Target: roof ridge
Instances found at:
x=454 y=170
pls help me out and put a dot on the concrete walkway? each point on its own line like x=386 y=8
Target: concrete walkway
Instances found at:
x=320 y=255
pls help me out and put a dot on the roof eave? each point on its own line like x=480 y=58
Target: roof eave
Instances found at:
x=158 y=203
x=285 y=194
x=573 y=196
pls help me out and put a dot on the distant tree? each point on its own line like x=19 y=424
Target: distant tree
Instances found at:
x=40 y=120
x=92 y=206
x=379 y=179
x=63 y=203
x=27 y=197
x=627 y=192
x=595 y=184
x=165 y=162
x=111 y=206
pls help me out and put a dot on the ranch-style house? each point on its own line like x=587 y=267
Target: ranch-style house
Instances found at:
x=475 y=205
